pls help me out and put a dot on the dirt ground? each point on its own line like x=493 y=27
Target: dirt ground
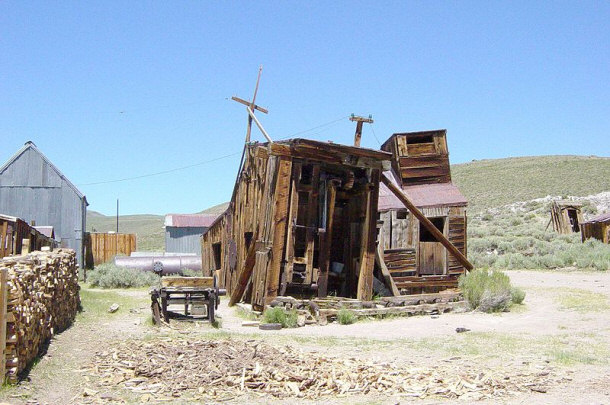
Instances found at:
x=563 y=325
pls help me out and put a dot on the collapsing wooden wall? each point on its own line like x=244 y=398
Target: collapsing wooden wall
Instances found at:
x=566 y=216
x=302 y=221
x=417 y=260
x=597 y=228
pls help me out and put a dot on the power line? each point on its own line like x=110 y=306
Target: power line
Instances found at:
x=162 y=172
x=375 y=135
x=203 y=162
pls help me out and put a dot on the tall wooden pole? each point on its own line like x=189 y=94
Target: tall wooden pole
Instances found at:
x=359 y=121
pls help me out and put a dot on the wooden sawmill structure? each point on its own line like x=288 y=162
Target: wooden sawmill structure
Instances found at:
x=416 y=260
x=304 y=220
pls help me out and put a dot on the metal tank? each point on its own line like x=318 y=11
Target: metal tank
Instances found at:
x=164 y=264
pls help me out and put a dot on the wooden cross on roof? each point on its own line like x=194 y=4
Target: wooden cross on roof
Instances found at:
x=251 y=107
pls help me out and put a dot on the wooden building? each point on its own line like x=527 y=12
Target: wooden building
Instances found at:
x=18 y=237
x=597 y=227
x=302 y=221
x=566 y=216
x=183 y=232
x=417 y=260
x=32 y=188
x=103 y=247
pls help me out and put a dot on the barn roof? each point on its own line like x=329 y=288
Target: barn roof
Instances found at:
x=31 y=145
x=599 y=218
x=190 y=220
x=47 y=231
x=422 y=195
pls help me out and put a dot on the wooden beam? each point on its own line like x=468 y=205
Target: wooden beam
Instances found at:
x=244 y=274
x=426 y=222
x=367 y=247
x=280 y=223
x=359 y=121
x=384 y=270
x=247 y=103
x=259 y=125
x=328 y=240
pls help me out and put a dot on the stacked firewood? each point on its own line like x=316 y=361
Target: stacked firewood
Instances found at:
x=43 y=298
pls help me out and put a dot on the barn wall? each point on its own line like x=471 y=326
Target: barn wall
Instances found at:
x=183 y=239
x=32 y=189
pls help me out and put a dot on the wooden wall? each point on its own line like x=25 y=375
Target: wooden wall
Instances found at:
x=404 y=252
x=18 y=237
x=420 y=157
x=560 y=217
x=596 y=230
x=273 y=211
x=103 y=247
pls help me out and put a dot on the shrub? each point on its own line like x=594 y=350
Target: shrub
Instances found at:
x=346 y=317
x=192 y=273
x=108 y=275
x=517 y=295
x=278 y=315
x=486 y=291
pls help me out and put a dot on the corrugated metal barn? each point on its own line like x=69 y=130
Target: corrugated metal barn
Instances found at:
x=32 y=188
x=183 y=232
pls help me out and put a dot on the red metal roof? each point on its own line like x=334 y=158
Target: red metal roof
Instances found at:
x=190 y=220
x=422 y=195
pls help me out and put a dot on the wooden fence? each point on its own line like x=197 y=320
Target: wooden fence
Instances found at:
x=103 y=247
x=18 y=237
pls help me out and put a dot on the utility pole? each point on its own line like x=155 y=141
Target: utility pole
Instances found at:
x=359 y=121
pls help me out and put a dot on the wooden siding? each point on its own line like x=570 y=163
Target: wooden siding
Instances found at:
x=596 y=230
x=103 y=247
x=566 y=216
x=298 y=207
x=18 y=237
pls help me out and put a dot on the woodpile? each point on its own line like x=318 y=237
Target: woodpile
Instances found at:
x=214 y=371
x=322 y=310
x=42 y=299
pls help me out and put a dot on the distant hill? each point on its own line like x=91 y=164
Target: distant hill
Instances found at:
x=486 y=184
x=217 y=209
x=492 y=183
x=148 y=228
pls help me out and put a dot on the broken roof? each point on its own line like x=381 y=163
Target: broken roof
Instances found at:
x=599 y=218
x=422 y=195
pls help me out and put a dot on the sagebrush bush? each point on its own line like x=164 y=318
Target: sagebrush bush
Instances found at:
x=108 y=275
x=288 y=319
x=346 y=317
x=517 y=295
x=486 y=291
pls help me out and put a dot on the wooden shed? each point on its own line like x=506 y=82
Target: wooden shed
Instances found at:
x=32 y=188
x=302 y=221
x=597 y=227
x=566 y=216
x=417 y=260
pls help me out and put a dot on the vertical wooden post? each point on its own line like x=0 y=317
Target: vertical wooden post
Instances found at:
x=280 y=222
x=328 y=240
x=359 y=121
x=3 y=306
x=367 y=249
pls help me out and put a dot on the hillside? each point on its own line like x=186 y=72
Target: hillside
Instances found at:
x=486 y=183
x=493 y=183
x=148 y=228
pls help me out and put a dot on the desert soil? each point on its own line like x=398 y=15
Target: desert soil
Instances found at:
x=565 y=323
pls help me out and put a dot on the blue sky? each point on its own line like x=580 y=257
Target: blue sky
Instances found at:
x=113 y=90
